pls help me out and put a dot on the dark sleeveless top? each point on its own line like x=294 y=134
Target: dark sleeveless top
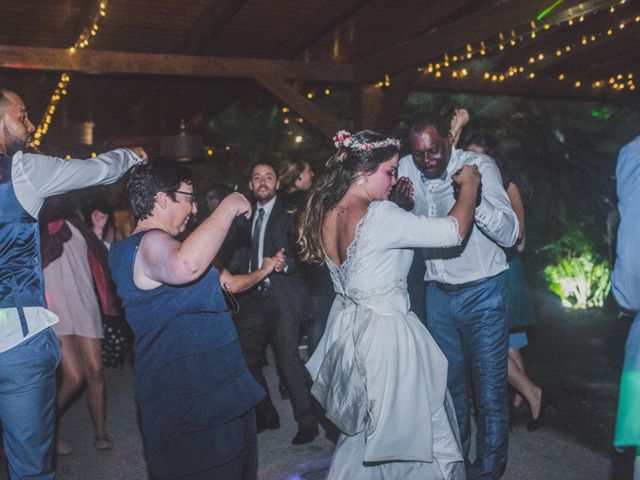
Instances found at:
x=21 y=280
x=191 y=377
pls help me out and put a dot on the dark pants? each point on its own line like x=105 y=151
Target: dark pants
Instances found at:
x=471 y=328
x=27 y=405
x=259 y=320
x=416 y=287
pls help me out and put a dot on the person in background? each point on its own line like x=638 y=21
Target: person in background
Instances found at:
x=519 y=303
x=194 y=391
x=275 y=309
x=625 y=284
x=215 y=195
x=74 y=261
x=296 y=178
x=117 y=336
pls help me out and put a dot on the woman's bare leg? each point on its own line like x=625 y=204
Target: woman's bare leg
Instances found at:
x=516 y=356
x=72 y=376
x=91 y=352
x=519 y=380
x=71 y=381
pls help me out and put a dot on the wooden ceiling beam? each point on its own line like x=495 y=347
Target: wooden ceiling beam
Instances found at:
x=319 y=23
x=394 y=99
x=199 y=36
x=539 y=87
x=125 y=63
x=289 y=96
x=209 y=24
x=469 y=29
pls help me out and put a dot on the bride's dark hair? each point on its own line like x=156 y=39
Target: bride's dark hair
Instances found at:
x=362 y=152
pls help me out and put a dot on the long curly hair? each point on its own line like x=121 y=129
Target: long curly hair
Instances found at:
x=359 y=155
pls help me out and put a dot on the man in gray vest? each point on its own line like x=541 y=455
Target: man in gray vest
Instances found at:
x=29 y=349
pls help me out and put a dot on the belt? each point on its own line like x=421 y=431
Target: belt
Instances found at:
x=456 y=287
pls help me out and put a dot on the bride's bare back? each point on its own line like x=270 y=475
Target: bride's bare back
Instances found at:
x=339 y=228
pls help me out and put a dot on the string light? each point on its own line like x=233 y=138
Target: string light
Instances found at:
x=88 y=33
x=386 y=83
x=499 y=42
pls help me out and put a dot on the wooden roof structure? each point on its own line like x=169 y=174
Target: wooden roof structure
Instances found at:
x=151 y=62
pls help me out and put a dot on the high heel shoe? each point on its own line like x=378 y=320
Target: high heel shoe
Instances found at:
x=545 y=401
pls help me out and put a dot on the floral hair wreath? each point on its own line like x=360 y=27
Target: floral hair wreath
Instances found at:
x=345 y=139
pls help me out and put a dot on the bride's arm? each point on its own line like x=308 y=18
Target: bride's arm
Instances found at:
x=401 y=229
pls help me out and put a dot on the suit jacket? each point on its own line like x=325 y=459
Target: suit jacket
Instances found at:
x=289 y=287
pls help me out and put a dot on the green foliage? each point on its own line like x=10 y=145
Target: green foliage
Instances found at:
x=578 y=275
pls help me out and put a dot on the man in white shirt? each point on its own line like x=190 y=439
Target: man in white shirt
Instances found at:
x=466 y=307
x=29 y=350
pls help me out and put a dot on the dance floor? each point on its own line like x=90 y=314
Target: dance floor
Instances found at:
x=573 y=445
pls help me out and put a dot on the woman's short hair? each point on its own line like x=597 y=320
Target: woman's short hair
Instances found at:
x=146 y=180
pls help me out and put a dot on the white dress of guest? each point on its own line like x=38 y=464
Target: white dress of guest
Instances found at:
x=377 y=371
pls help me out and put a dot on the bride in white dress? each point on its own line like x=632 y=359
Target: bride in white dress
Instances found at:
x=377 y=371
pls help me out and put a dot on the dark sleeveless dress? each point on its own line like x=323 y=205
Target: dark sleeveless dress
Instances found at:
x=192 y=385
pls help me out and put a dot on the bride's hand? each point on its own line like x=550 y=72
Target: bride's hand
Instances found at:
x=468 y=175
x=402 y=194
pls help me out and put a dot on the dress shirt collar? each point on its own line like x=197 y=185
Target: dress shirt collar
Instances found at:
x=267 y=207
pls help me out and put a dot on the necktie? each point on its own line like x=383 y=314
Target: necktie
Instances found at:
x=255 y=241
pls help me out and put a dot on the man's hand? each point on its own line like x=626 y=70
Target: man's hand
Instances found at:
x=139 y=151
x=402 y=194
x=269 y=264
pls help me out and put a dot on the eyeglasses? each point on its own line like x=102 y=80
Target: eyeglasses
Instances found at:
x=192 y=196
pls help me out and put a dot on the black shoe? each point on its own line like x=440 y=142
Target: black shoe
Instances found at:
x=271 y=422
x=305 y=435
x=545 y=401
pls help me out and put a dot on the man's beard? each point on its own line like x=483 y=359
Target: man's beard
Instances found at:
x=13 y=143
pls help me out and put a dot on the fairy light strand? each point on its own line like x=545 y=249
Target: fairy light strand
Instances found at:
x=618 y=82
x=62 y=87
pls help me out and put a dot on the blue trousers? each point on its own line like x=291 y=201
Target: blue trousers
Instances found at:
x=471 y=327
x=27 y=405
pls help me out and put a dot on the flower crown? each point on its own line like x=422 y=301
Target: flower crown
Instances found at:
x=345 y=139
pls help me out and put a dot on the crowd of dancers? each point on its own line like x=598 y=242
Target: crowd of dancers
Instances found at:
x=329 y=254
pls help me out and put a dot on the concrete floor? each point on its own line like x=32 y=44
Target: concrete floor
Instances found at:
x=576 y=353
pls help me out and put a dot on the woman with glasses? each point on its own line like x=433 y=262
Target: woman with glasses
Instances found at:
x=194 y=391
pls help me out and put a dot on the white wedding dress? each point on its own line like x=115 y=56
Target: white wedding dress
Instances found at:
x=377 y=371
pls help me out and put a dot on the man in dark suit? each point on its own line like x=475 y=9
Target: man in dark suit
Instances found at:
x=273 y=310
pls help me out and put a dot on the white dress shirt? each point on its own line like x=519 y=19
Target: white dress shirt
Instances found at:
x=36 y=177
x=495 y=225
